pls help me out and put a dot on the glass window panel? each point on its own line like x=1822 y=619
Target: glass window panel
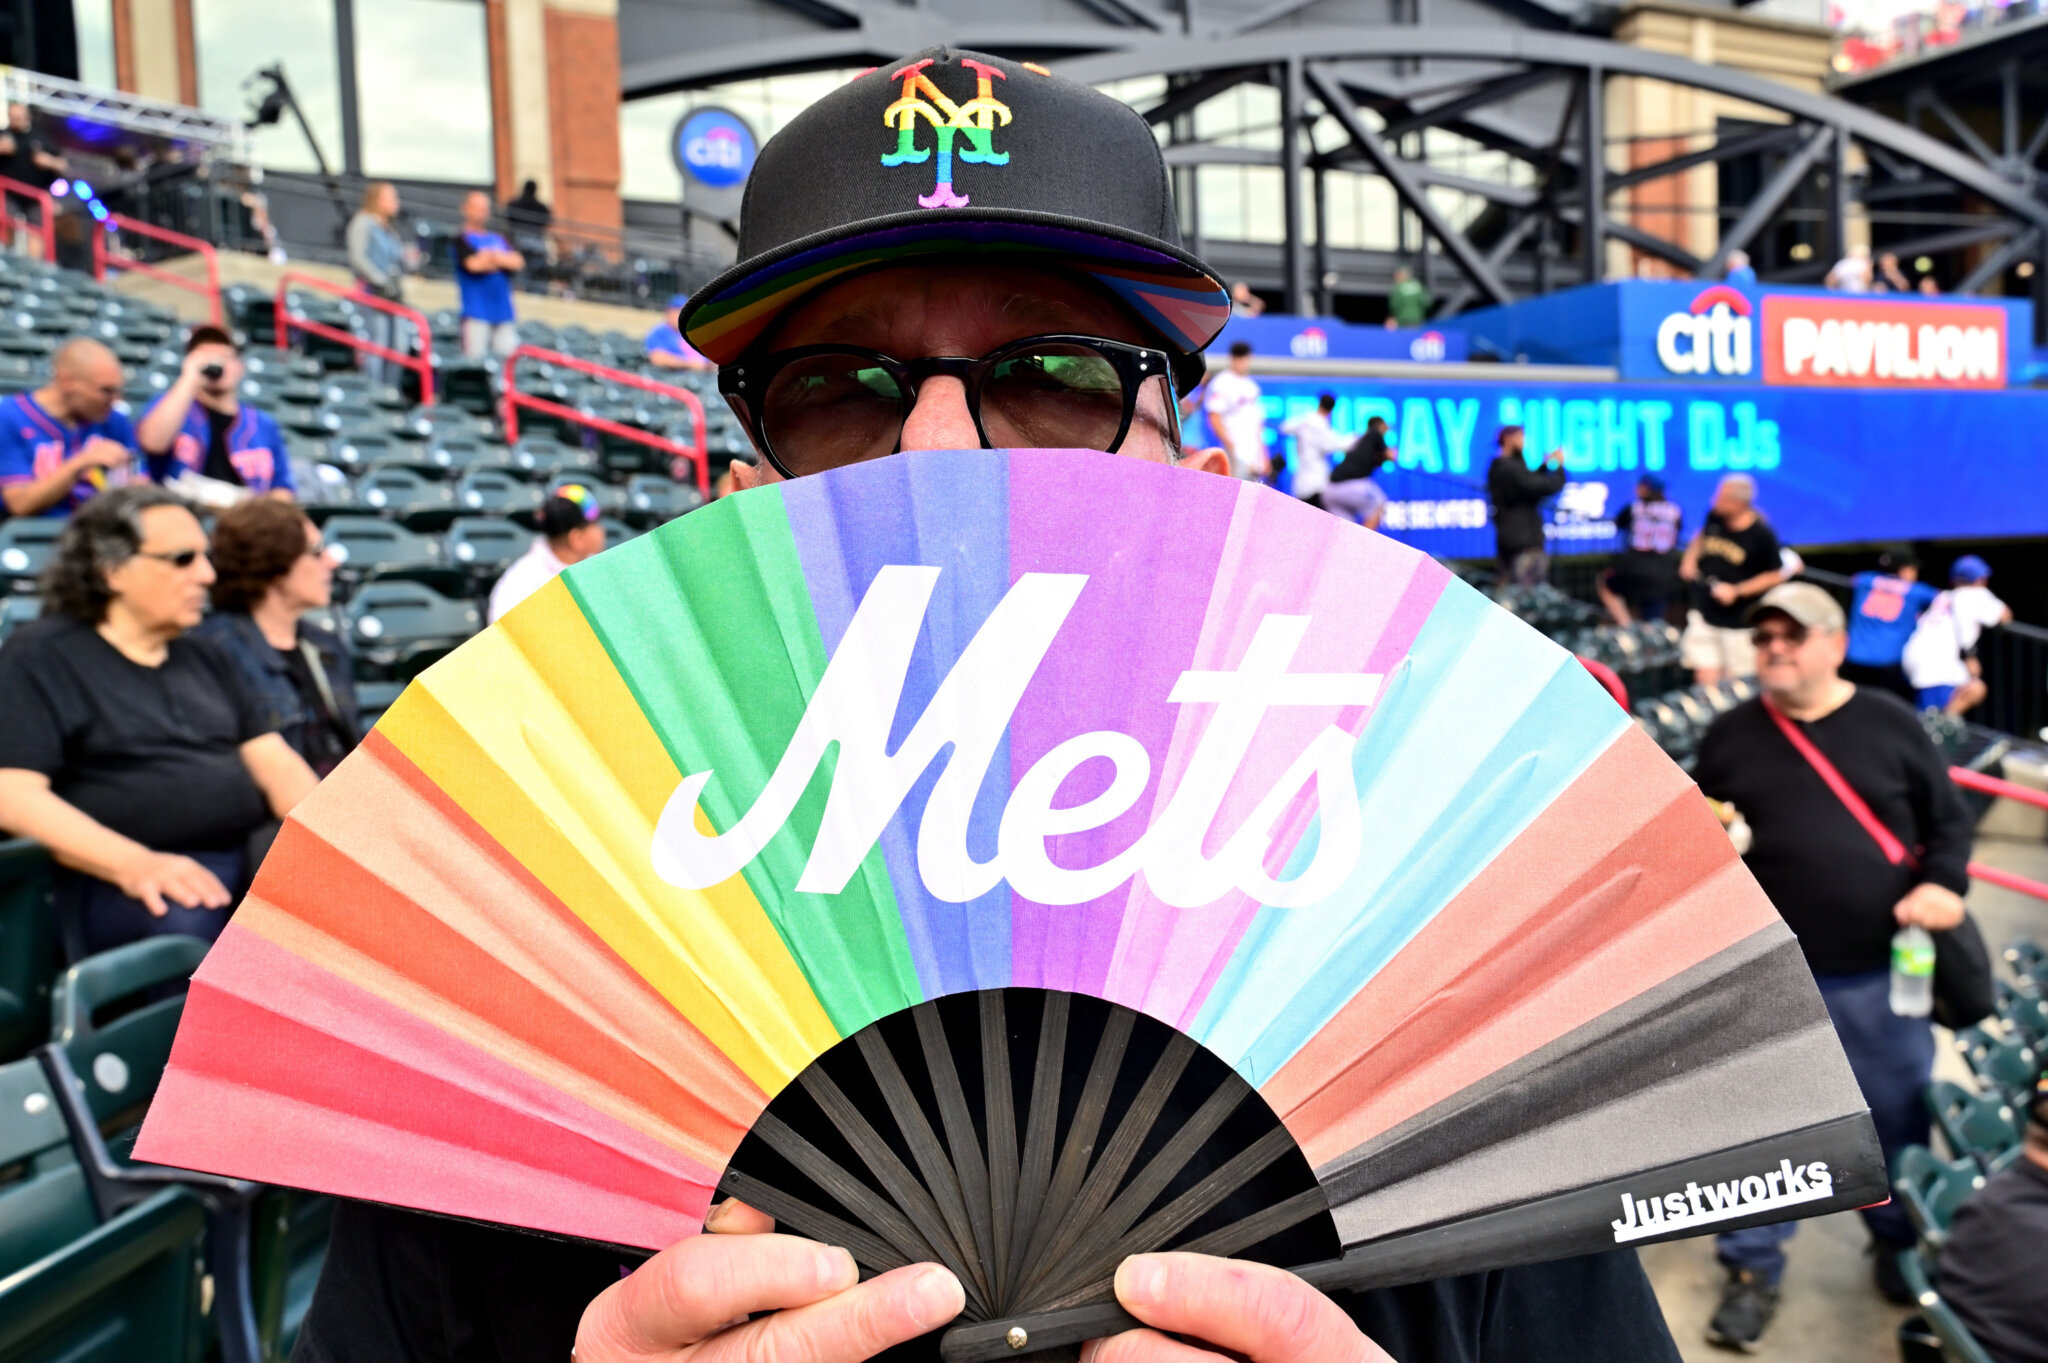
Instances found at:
x=93 y=20
x=423 y=82
x=232 y=38
x=647 y=166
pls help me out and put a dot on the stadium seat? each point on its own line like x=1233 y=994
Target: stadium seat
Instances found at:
x=471 y=385
x=26 y=543
x=652 y=500
x=358 y=450
x=616 y=531
x=369 y=548
x=495 y=492
x=452 y=454
x=126 y=1290
x=441 y=418
x=28 y=949
x=1974 y=1126
x=398 y=629
x=2029 y=959
x=415 y=501
x=112 y=1019
x=323 y=489
x=373 y=698
x=541 y=457
x=2006 y=1063
x=16 y=611
x=484 y=545
x=2024 y=1010
x=1930 y=1189
x=1957 y=1345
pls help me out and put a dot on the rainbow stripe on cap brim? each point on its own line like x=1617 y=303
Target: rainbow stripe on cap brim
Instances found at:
x=1184 y=305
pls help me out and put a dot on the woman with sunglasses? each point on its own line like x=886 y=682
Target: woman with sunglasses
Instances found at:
x=270 y=568
x=131 y=751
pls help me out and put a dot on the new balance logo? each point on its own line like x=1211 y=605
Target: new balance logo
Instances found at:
x=1788 y=1185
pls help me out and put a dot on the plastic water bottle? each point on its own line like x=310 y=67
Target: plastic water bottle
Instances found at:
x=1912 y=972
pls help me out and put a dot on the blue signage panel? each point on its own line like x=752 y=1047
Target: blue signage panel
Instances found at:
x=1326 y=338
x=1696 y=332
x=1832 y=466
x=714 y=147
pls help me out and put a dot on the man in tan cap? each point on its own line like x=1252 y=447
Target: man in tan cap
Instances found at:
x=1858 y=831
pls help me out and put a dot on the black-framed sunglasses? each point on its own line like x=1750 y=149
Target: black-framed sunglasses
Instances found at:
x=824 y=406
x=181 y=558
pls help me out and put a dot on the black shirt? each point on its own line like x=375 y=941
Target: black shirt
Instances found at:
x=1729 y=555
x=218 y=464
x=1516 y=491
x=1994 y=1271
x=401 y=1285
x=21 y=163
x=1825 y=874
x=1362 y=460
x=151 y=752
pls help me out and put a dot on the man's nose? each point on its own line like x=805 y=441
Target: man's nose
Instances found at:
x=940 y=419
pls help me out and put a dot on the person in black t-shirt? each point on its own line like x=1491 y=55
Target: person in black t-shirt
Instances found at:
x=273 y=568
x=198 y=425
x=1839 y=892
x=1517 y=492
x=1645 y=574
x=130 y=751
x=23 y=154
x=1731 y=561
x=1994 y=1269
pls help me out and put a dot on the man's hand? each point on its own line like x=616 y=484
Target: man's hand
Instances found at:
x=100 y=452
x=1931 y=906
x=1723 y=592
x=155 y=877
x=692 y=1300
x=1246 y=1310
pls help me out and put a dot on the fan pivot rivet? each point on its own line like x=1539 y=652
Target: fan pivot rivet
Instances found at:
x=1017 y=1338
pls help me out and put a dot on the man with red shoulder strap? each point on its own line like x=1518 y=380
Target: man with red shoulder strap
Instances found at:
x=1857 y=832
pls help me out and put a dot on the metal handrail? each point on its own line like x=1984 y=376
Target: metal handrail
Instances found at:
x=16 y=189
x=287 y=323
x=678 y=454
x=102 y=258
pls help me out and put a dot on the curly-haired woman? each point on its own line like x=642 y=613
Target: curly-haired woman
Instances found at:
x=131 y=751
x=270 y=568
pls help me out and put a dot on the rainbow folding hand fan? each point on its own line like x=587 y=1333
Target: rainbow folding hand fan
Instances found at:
x=1021 y=860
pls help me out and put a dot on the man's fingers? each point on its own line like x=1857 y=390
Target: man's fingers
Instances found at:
x=734 y=1217
x=879 y=1314
x=1145 y=1346
x=704 y=1283
x=1264 y=1313
x=152 y=900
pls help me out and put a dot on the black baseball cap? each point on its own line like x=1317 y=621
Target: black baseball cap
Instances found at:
x=952 y=153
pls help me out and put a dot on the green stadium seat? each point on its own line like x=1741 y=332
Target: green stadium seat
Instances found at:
x=1973 y=1126
x=16 y=611
x=653 y=500
x=26 y=543
x=407 y=496
x=2025 y=1011
x=494 y=492
x=469 y=384
x=1956 y=1344
x=28 y=948
x=369 y=548
x=449 y=455
x=74 y=1287
x=2031 y=960
x=485 y=545
x=398 y=629
x=1930 y=1189
x=2007 y=1063
x=542 y=457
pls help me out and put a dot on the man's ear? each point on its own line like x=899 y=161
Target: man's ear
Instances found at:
x=745 y=475
x=1211 y=459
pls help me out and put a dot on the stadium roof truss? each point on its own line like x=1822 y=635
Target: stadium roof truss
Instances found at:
x=1524 y=86
x=213 y=134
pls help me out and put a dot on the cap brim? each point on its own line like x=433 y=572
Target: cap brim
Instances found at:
x=1172 y=293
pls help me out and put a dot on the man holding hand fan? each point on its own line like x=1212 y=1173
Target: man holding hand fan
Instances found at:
x=1035 y=297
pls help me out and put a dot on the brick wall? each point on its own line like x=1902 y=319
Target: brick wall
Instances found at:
x=583 y=104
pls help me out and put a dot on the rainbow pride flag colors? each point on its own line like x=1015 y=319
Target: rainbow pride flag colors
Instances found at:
x=607 y=879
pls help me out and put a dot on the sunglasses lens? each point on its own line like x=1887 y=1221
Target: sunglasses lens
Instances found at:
x=1054 y=396
x=826 y=411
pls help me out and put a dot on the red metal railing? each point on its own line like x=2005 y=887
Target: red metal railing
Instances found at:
x=678 y=454
x=1991 y=785
x=10 y=190
x=286 y=324
x=102 y=258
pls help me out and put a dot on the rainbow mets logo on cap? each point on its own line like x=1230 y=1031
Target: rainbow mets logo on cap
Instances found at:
x=977 y=120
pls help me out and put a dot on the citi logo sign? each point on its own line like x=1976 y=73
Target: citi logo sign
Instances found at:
x=1312 y=343
x=719 y=148
x=1713 y=336
x=1428 y=347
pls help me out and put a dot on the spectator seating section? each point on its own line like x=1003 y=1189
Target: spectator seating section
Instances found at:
x=1981 y=1127
x=495 y=492
x=1930 y=1189
x=1956 y=1344
x=2002 y=1064
x=414 y=501
x=369 y=548
x=485 y=545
